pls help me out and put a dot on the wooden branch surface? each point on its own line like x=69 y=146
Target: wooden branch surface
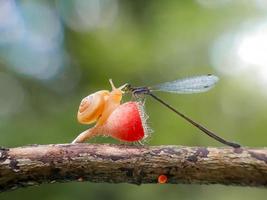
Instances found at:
x=36 y=164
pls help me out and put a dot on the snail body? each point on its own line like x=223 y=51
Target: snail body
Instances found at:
x=99 y=107
x=112 y=102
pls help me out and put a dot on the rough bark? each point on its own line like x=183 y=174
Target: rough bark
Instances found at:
x=36 y=164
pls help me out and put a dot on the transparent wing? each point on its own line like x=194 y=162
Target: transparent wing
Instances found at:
x=188 y=85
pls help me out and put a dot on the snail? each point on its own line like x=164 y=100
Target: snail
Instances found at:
x=124 y=122
x=99 y=105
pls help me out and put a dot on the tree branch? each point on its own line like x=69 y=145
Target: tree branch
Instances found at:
x=31 y=165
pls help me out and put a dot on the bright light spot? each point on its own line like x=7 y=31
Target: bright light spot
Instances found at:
x=261 y=4
x=213 y=3
x=253 y=47
x=38 y=52
x=86 y=15
x=40 y=64
x=243 y=53
x=11 y=25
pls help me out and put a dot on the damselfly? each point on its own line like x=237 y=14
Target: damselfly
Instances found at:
x=189 y=85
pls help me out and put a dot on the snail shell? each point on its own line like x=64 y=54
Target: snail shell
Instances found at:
x=92 y=106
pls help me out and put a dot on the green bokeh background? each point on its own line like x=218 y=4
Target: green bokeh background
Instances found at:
x=149 y=42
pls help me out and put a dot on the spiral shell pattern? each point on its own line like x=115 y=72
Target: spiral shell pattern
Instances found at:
x=91 y=107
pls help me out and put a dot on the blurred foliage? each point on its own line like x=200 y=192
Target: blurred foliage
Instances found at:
x=52 y=58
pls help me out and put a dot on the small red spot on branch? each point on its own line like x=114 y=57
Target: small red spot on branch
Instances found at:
x=162 y=179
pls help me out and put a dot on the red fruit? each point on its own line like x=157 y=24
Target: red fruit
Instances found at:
x=125 y=123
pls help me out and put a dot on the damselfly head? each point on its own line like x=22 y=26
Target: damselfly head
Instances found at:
x=127 y=88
